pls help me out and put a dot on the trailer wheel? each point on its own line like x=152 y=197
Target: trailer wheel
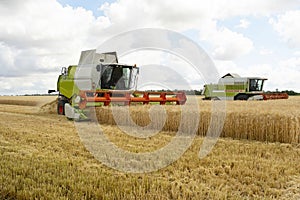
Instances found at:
x=242 y=97
x=61 y=107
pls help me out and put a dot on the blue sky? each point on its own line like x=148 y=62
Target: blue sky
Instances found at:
x=93 y=5
x=249 y=37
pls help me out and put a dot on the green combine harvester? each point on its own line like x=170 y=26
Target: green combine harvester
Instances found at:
x=99 y=80
x=233 y=87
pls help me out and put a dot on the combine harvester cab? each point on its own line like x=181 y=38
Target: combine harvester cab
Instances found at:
x=233 y=87
x=99 y=80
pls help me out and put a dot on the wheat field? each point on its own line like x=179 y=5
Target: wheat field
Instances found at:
x=270 y=121
x=42 y=156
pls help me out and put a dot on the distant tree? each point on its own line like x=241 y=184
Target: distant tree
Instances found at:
x=291 y=92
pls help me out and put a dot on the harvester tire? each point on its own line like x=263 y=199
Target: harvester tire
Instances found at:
x=242 y=97
x=61 y=107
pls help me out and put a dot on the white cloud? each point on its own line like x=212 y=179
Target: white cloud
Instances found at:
x=292 y=63
x=288 y=27
x=197 y=15
x=232 y=8
x=40 y=36
x=180 y=15
x=226 y=66
x=243 y=24
x=30 y=84
x=229 y=45
x=46 y=29
x=264 y=51
x=283 y=76
x=166 y=68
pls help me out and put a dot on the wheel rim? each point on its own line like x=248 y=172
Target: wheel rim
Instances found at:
x=60 y=109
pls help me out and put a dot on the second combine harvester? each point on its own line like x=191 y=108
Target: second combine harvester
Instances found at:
x=99 y=80
x=233 y=87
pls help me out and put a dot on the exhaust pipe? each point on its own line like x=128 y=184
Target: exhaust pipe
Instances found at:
x=51 y=91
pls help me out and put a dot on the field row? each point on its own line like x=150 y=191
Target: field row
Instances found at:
x=271 y=121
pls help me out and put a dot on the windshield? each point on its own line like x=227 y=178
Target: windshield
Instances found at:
x=118 y=77
x=255 y=85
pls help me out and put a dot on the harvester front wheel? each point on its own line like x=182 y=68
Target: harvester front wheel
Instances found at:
x=242 y=97
x=61 y=107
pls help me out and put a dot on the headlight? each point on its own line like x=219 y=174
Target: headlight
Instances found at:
x=77 y=99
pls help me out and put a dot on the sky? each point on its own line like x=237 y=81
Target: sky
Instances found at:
x=248 y=37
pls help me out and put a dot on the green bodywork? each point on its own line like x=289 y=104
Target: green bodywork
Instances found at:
x=95 y=71
x=67 y=88
x=231 y=88
x=66 y=85
x=219 y=90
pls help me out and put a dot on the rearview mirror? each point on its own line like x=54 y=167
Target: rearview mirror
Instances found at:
x=98 y=67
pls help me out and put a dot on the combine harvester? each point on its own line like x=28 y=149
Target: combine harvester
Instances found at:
x=99 y=80
x=234 y=87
